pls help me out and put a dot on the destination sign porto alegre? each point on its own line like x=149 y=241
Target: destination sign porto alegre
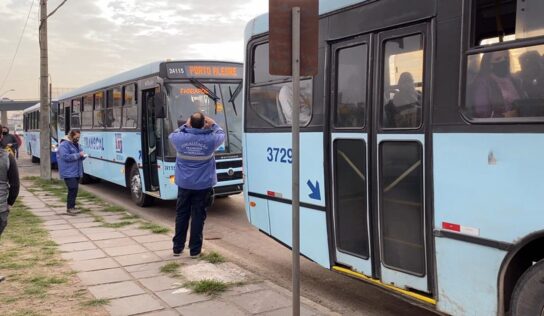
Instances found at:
x=180 y=70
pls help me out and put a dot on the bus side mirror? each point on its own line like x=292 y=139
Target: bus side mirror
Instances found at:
x=160 y=105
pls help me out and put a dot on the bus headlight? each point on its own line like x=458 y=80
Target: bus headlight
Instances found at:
x=54 y=148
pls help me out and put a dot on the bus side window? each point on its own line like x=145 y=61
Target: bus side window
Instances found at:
x=98 y=120
x=271 y=97
x=75 y=121
x=130 y=109
x=87 y=112
x=506 y=84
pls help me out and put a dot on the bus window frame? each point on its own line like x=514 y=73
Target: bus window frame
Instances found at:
x=468 y=49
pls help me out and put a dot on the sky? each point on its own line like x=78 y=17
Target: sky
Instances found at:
x=90 y=40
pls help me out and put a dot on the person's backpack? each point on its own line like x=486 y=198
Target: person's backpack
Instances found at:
x=19 y=141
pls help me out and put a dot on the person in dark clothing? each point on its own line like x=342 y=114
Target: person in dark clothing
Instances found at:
x=70 y=158
x=9 y=186
x=195 y=142
x=9 y=140
x=532 y=74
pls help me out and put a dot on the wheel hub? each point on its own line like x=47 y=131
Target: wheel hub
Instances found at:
x=136 y=185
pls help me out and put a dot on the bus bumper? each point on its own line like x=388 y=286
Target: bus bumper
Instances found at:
x=228 y=189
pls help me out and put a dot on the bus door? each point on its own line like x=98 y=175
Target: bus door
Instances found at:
x=150 y=140
x=67 y=119
x=378 y=94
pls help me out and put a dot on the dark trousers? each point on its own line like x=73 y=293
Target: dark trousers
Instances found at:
x=3 y=221
x=191 y=204
x=73 y=185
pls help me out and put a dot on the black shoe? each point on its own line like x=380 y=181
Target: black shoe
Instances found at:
x=2 y=278
x=196 y=256
x=177 y=253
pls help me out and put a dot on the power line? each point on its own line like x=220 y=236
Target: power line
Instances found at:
x=53 y=12
x=18 y=45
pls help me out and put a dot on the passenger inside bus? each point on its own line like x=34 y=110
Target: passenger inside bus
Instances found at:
x=404 y=109
x=285 y=107
x=532 y=74
x=495 y=91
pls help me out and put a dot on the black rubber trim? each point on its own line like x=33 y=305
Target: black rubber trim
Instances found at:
x=107 y=160
x=286 y=201
x=474 y=240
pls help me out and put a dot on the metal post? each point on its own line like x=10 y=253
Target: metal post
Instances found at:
x=45 y=131
x=296 y=160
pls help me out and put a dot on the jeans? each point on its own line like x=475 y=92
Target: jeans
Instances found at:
x=3 y=221
x=72 y=184
x=191 y=204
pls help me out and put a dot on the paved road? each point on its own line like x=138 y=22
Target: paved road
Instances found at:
x=228 y=230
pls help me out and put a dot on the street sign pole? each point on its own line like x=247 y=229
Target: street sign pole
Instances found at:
x=296 y=158
x=293 y=51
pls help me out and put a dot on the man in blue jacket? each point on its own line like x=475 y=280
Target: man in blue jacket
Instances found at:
x=196 y=142
x=70 y=162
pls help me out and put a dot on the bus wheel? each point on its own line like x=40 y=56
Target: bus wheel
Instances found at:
x=136 y=189
x=528 y=297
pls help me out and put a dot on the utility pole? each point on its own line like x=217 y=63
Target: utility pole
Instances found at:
x=45 y=129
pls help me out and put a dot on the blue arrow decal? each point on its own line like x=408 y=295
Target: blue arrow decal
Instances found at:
x=316 y=192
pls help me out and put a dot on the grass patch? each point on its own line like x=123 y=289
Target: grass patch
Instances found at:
x=213 y=257
x=208 y=287
x=128 y=216
x=118 y=224
x=154 y=228
x=96 y=302
x=170 y=268
x=114 y=209
x=38 y=281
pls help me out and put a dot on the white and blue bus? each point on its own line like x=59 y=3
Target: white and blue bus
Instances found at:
x=31 y=128
x=125 y=121
x=421 y=149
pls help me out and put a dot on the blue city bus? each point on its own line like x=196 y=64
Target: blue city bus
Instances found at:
x=421 y=149
x=125 y=121
x=31 y=135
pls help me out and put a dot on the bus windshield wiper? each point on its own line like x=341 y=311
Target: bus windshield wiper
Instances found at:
x=234 y=95
x=206 y=90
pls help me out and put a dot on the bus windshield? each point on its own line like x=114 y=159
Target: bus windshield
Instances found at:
x=220 y=101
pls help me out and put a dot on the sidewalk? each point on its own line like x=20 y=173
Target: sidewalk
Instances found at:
x=133 y=270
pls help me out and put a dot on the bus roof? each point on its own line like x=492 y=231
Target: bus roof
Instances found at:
x=136 y=73
x=35 y=107
x=259 y=25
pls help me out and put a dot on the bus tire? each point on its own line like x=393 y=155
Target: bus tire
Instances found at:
x=528 y=296
x=35 y=159
x=136 y=189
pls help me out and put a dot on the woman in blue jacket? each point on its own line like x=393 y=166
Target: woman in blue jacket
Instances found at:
x=70 y=162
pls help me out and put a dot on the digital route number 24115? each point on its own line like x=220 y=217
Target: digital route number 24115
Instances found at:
x=281 y=155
